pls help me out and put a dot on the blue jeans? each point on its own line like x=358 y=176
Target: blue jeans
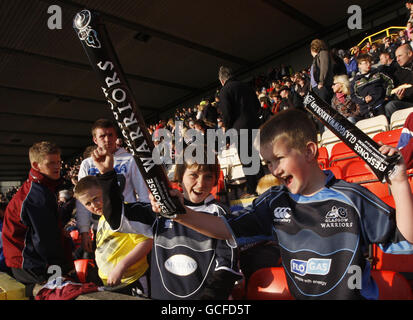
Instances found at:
x=395 y=105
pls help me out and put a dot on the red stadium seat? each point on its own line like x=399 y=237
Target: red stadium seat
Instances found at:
x=81 y=266
x=336 y=171
x=268 y=284
x=382 y=190
x=356 y=171
x=341 y=154
x=322 y=157
x=220 y=187
x=394 y=262
x=388 y=200
x=175 y=185
x=74 y=234
x=392 y=285
x=390 y=138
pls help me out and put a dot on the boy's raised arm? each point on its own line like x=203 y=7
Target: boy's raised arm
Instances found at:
x=402 y=196
x=207 y=224
x=112 y=205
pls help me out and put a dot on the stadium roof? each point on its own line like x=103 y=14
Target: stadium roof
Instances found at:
x=170 y=51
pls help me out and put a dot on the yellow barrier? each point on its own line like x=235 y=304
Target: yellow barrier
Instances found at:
x=11 y=289
x=387 y=32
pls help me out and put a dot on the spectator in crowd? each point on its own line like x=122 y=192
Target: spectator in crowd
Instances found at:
x=3 y=266
x=375 y=53
x=129 y=177
x=387 y=64
x=355 y=51
x=321 y=70
x=276 y=104
x=33 y=235
x=10 y=193
x=370 y=89
x=337 y=63
x=211 y=267
x=401 y=38
x=121 y=257
x=210 y=114
x=408 y=10
x=290 y=99
x=409 y=31
x=240 y=107
x=341 y=100
x=403 y=76
x=389 y=46
x=303 y=85
x=291 y=214
x=200 y=113
x=67 y=204
x=351 y=65
x=265 y=110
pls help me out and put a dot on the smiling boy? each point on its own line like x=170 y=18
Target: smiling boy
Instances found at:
x=323 y=225
x=185 y=264
x=120 y=257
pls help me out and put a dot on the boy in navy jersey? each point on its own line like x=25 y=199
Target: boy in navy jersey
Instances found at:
x=323 y=225
x=185 y=264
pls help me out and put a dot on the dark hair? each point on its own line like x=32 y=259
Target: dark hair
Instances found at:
x=364 y=57
x=85 y=184
x=293 y=124
x=103 y=124
x=203 y=167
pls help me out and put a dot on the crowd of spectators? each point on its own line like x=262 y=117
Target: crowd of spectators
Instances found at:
x=338 y=76
x=334 y=75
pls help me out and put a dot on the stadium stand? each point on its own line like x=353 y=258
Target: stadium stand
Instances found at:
x=374 y=125
x=399 y=117
x=390 y=137
x=268 y=284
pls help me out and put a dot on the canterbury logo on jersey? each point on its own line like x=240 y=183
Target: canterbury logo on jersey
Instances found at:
x=282 y=214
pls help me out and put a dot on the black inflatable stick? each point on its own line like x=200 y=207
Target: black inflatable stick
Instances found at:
x=102 y=56
x=368 y=149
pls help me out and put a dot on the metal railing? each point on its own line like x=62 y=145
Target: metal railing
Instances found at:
x=386 y=33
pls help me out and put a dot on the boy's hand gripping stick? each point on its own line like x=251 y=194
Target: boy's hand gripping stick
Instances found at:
x=102 y=56
x=368 y=149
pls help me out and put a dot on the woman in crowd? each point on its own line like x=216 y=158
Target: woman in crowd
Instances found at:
x=341 y=100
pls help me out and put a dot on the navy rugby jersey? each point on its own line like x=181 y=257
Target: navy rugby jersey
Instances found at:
x=323 y=238
x=185 y=264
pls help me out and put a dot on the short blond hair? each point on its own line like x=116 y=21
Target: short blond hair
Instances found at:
x=40 y=150
x=344 y=81
x=266 y=182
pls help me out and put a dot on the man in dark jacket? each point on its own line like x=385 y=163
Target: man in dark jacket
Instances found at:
x=290 y=99
x=321 y=70
x=239 y=106
x=33 y=237
x=404 y=73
